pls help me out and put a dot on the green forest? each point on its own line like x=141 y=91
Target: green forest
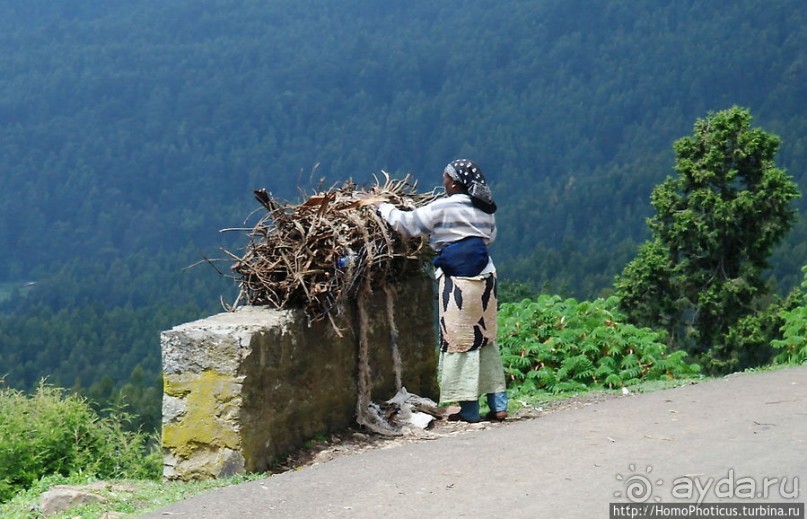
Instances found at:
x=133 y=132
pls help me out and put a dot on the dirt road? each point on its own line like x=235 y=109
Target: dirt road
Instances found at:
x=740 y=439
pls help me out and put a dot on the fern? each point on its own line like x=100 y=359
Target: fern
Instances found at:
x=613 y=380
x=793 y=344
x=559 y=345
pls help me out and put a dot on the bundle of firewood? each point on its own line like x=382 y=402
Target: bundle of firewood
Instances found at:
x=319 y=253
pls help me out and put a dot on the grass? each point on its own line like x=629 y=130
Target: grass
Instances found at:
x=127 y=498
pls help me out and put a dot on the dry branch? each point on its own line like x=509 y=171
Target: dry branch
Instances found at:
x=322 y=252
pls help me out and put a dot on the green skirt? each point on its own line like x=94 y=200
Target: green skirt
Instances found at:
x=466 y=376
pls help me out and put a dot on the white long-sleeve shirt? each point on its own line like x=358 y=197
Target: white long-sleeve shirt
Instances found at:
x=445 y=220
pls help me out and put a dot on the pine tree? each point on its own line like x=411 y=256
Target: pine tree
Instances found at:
x=715 y=226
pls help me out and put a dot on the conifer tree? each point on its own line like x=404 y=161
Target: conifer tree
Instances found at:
x=715 y=226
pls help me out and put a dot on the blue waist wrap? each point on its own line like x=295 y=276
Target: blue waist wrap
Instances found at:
x=465 y=258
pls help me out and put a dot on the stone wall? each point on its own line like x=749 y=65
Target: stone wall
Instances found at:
x=243 y=388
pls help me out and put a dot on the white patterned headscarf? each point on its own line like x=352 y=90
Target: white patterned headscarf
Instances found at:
x=470 y=175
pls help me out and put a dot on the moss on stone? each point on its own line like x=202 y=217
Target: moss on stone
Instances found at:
x=213 y=402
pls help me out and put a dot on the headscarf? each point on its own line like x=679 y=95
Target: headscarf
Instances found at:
x=470 y=175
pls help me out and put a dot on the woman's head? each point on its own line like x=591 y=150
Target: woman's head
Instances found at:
x=464 y=176
x=452 y=186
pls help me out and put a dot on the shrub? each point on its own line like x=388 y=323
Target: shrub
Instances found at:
x=563 y=345
x=51 y=432
x=793 y=345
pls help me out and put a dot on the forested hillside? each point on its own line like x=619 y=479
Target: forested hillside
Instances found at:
x=131 y=132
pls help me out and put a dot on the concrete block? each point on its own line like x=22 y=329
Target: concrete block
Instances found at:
x=243 y=388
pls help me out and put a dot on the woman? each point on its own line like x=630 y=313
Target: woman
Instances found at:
x=460 y=226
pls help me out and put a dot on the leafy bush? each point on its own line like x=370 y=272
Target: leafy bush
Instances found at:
x=564 y=345
x=51 y=432
x=748 y=342
x=793 y=345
